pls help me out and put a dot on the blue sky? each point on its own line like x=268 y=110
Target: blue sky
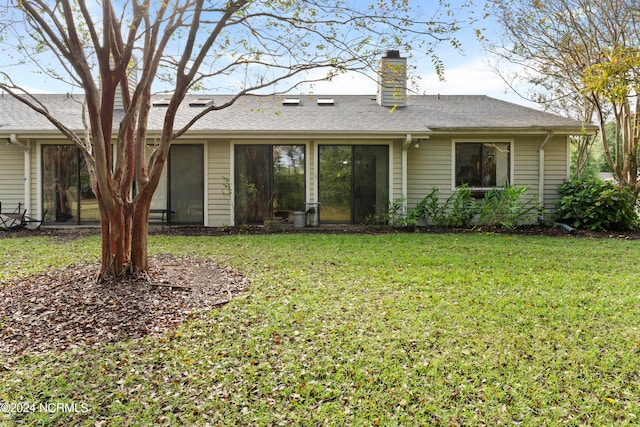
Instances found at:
x=467 y=72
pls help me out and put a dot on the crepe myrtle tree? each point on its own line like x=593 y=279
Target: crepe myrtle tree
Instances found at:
x=581 y=57
x=182 y=46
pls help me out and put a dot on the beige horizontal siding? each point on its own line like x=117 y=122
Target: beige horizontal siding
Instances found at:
x=12 y=176
x=396 y=171
x=556 y=170
x=431 y=165
x=219 y=170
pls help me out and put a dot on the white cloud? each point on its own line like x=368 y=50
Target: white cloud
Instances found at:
x=469 y=76
x=350 y=83
x=472 y=77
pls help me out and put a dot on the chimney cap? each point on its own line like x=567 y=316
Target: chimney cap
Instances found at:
x=392 y=54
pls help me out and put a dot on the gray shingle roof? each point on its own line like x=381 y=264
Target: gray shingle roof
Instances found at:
x=350 y=114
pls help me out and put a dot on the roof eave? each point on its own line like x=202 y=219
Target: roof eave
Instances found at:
x=296 y=134
x=564 y=130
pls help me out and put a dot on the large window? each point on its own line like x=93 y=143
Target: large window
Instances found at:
x=482 y=164
x=67 y=195
x=269 y=181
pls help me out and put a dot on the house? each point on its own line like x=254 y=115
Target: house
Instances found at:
x=341 y=156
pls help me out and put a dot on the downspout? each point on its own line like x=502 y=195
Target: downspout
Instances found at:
x=26 y=146
x=541 y=220
x=541 y=166
x=405 y=148
x=14 y=140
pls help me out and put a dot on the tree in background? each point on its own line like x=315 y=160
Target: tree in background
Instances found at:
x=184 y=46
x=580 y=57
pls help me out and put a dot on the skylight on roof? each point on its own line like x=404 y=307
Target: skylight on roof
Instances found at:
x=326 y=101
x=291 y=101
x=200 y=102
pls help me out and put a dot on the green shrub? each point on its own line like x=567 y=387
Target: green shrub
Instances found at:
x=430 y=210
x=463 y=208
x=457 y=211
x=593 y=204
x=507 y=207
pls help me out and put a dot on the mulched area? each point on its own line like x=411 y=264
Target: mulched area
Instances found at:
x=66 y=309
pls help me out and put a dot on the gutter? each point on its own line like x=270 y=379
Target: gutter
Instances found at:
x=541 y=166
x=515 y=131
x=13 y=139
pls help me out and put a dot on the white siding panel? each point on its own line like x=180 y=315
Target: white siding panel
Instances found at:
x=12 y=176
x=311 y=160
x=556 y=161
x=429 y=166
x=219 y=173
x=396 y=171
x=526 y=160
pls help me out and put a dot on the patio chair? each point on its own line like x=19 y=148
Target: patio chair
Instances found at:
x=17 y=219
x=13 y=220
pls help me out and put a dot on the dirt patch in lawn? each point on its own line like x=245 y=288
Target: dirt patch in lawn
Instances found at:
x=66 y=309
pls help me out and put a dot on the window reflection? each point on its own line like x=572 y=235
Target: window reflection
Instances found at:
x=60 y=193
x=269 y=181
x=482 y=164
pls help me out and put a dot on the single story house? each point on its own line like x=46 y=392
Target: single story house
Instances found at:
x=340 y=156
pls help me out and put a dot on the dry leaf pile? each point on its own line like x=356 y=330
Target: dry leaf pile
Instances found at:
x=67 y=309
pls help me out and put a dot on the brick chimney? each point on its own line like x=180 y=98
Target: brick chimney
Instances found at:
x=392 y=80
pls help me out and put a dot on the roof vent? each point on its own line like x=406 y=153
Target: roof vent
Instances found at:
x=161 y=103
x=291 y=101
x=326 y=101
x=200 y=102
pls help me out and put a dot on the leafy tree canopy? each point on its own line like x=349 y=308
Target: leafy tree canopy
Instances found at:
x=130 y=49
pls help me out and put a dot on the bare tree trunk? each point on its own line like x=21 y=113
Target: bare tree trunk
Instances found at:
x=124 y=239
x=140 y=234
x=116 y=239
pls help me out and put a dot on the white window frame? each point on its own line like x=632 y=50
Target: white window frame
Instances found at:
x=482 y=141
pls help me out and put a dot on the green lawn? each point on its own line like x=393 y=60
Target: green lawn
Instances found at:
x=364 y=330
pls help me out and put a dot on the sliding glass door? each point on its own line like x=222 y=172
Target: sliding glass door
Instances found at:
x=353 y=182
x=186 y=184
x=67 y=195
x=181 y=188
x=269 y=181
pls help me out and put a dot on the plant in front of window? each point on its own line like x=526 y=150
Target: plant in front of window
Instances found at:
x=463 y=208
x=458 y=210
x=431 y=211
x=242 y=199
x=507 y=207
x=387 y=214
